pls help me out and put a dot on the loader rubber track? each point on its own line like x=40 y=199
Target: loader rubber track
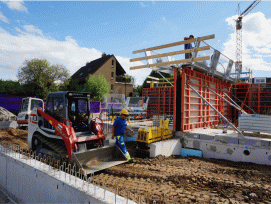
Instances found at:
x=58 y=149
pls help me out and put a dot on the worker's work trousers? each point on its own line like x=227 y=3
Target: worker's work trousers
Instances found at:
x=121 y=145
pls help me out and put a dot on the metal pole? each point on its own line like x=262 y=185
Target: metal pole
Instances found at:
x=241 y=102
x=231 y=100
x=238 y=108
x=165 y=79
x=216 y=110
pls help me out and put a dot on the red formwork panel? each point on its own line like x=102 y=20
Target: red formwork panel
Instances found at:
x=256 y=96
x=194 y=112
x=160 y=100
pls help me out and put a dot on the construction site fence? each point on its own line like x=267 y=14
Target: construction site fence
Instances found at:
x=67 y=173
x=11 y=103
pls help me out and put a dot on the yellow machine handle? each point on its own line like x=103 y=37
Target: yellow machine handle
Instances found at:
x=164 y=123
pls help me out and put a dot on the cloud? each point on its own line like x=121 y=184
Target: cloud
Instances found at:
x=15 y=5
x=142 y=4
x=30 y=43
x=255 y=41
x=3 y=18
x=164 y=18
x=32 y=29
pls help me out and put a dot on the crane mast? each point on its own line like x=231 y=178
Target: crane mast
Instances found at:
x=239 y=33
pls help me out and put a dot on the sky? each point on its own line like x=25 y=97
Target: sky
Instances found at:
x=72 y=33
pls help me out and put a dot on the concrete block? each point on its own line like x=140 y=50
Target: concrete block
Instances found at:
x=166 y=148
x=6 y=124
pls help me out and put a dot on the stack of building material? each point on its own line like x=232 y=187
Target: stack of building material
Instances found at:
x=5 y=115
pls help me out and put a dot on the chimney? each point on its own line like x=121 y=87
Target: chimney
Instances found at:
x=104 y=55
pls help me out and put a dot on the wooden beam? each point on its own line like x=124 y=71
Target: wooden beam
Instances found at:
x=171 y=62
x=171 y=53
x=156 y=82
x=152 y=78
x=175 y=44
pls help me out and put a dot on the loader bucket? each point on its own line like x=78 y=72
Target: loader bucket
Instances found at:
x=98 y=159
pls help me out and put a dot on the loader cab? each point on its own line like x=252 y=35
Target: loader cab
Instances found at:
x=78 y=113
x=72 y=106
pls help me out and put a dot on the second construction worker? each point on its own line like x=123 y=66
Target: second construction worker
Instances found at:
x=188 y=46
x=118 y=130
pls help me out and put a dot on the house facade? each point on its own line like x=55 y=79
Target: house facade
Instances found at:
x=113 y=72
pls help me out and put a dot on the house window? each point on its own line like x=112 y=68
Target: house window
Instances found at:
x=112 y=75
x=112 y=87
x=112 y=63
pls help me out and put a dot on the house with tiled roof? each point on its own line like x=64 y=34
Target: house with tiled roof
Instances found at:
x=111 y=69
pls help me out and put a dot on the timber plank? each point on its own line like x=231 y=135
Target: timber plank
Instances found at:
x=175 y=44
x=171 y=53
x=171 y=62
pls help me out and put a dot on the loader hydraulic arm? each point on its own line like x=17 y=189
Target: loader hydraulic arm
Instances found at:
x=66 y=132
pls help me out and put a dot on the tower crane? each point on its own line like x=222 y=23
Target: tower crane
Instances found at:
x=239 y=32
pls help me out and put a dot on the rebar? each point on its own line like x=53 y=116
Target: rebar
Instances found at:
x=89 y=182
x=127 y=200
x=116 y=190
x=94 y=187
x=60 y=169
x=85 y=181
x=44 y=158
x=104 y=186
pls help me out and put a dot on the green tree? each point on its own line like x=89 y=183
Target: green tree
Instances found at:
x=10 y=87
x=97 y=86
x=42 y=75
x=71 y=85
x=138 y=91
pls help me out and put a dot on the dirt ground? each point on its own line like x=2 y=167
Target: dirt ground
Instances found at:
x=178 y=180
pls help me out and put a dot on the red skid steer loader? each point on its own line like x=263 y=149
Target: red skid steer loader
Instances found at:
x=65 y=131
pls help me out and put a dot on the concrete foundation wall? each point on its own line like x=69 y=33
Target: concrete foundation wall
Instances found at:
x=30 y=181
x=166 y=148
x=230 y=147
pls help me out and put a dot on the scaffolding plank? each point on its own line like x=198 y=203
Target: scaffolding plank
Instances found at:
x=175 y=44
x=171 y=53
x=171 y=62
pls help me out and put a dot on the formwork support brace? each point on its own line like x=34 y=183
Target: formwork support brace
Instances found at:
x=237 y=107
x=222 y=116
x=239 y=101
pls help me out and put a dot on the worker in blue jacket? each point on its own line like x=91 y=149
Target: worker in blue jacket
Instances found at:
x=118 y=130
x=188 y=46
